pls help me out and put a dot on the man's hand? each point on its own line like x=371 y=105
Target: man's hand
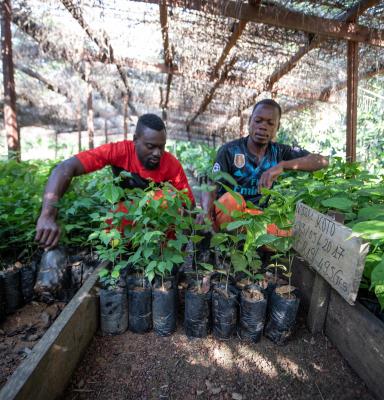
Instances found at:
x=269 y=176
x=47 y=232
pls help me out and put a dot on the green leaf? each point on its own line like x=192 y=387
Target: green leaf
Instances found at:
x=264 y=239
x=239 y=261
x=369 y=229
x=222 y=208
x=135 y=257
x=150 y=275
x=161 y=266
x=371 y=261
x=377 y=275
x=113 y=193
x=370 y=213
x=237 y=224
x=147 y=252
x=151 y=266
x=115 y=274
x=104 y=272
x=197 y=238
x=177 y=259
x=379 y=292
x=217 y=239
x=208 y=267
x=340 y=203
x=93 y=235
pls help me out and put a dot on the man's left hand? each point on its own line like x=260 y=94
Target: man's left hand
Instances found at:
x=269 y=176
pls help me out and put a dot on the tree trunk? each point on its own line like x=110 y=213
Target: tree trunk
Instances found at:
x=10 y=120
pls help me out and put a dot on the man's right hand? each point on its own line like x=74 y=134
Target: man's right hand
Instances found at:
x=47 y=232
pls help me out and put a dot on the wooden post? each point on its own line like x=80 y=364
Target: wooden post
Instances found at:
x=352 y=77
x=126 y=117
x=56 y=144
x=241 y=123
x=106 y=130
x=90 y=125
x=79 y=126
x=10 y=119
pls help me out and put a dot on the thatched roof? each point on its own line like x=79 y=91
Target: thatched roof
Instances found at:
x=202 y=67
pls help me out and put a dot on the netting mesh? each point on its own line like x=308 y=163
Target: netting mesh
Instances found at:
x=123 y=41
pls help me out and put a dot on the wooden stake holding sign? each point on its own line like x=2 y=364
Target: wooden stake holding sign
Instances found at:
x=330 y=249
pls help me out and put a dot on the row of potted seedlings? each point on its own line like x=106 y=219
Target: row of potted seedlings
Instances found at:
x=149 y=232
x=52 y=276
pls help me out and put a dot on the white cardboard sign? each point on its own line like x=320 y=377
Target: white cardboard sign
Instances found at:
x=329 y=248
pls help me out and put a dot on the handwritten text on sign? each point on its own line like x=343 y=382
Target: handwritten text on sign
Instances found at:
x=329 y=248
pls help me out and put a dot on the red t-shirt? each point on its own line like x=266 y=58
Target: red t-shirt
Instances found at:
x=123 y=155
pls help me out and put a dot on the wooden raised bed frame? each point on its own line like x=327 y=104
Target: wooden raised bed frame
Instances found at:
x=354 y=330
x=46 y=371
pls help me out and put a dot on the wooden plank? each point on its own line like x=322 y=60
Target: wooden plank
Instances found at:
x=318 y=308
x=303 y=278
x=44 y=374
x=359 y=336
x=329 y=248
x=284 y=18
x=352 y=84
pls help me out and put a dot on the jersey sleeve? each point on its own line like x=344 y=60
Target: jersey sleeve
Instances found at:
x=179 y=179
x=95 y=159
x=222 y=163
x=291 y=152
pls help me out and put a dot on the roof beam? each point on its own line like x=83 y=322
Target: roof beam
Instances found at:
x=36 y=32
x=236 y=33
x=48 y=84
x=327 y=92
x=313 y=42
x=105 y=48
x=209 y=96
x=284 y=18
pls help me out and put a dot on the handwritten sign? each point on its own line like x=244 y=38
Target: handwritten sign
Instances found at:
x=329 y=248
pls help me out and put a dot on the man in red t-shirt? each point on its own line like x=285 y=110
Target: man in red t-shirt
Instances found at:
x=144 y=157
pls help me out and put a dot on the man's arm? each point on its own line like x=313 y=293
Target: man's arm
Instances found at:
x=207 y=200
x=47 y=230
x=311 y=162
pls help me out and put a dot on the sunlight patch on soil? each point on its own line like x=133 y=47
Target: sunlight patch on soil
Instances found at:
x=292 y=368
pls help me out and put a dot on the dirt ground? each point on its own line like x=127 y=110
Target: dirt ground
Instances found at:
x=21 y=331
x=146 y=367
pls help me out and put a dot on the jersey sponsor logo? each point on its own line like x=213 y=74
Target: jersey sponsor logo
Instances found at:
x=216 y=167
x=239 y=160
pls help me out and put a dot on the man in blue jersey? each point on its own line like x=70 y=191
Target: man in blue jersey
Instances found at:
x=256 y=161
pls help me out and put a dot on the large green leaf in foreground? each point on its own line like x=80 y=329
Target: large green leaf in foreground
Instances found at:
x=370 y=230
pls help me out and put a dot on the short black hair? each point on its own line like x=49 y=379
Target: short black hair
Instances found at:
x=151 y=121
x=267 y=102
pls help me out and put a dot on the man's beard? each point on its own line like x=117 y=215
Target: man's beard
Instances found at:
x=149 y=165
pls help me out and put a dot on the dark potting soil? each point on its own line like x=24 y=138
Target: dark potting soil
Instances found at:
x=149 y=367
x=21 y=331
